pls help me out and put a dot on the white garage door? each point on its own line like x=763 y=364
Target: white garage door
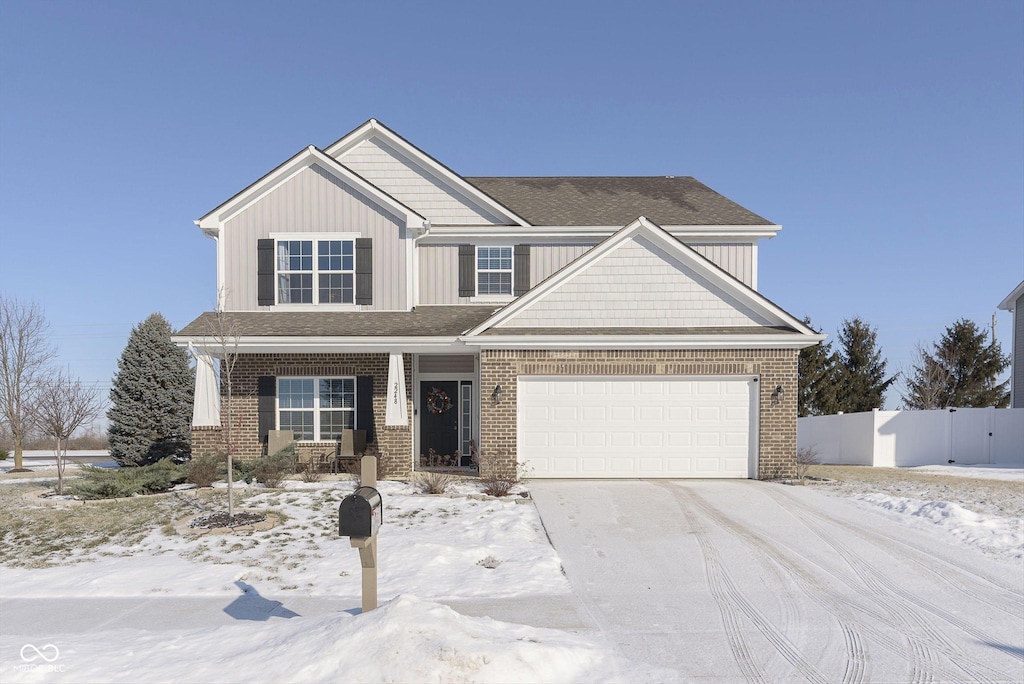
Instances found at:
x=608 y=427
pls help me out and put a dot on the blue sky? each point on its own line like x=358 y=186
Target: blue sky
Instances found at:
x=887 y=138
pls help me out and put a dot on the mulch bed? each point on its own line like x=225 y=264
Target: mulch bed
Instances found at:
x=215 y=520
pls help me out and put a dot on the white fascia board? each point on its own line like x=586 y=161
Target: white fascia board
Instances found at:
x=325 y=345
x=441 y=234
x=374 y=128
x=770 y=341
x=1011 y=299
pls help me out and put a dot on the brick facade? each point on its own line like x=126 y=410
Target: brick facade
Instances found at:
x=498 y=455
x=777 y=423
x=393 y=445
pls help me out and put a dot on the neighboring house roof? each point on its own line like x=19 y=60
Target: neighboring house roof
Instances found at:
x=615 y=200
x=1011 y=299
x=423 y=321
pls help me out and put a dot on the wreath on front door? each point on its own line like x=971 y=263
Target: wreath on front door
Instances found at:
x=438 y=401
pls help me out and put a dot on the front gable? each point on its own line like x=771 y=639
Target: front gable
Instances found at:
x=414 y=178
x=642 y=282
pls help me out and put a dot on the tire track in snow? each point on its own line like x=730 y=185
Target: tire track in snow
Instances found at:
x=730 y=600
x=1008 y=599
x=856 y=654
x=887 y=591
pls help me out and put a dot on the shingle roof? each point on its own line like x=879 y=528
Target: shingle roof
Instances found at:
x=424 y=321
x=615 y=200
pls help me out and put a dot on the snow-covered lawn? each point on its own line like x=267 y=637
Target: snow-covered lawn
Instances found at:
x=434 y=550
x=454 y=547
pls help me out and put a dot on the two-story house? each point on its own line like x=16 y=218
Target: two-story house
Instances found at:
x=592 y=327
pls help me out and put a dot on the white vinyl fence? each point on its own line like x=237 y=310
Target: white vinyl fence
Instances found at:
x=912 y=438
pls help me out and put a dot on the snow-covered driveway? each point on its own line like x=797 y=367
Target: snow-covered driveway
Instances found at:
x=729 y=581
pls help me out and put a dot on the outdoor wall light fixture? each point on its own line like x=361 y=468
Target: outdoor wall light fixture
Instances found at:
x=496 y=394
x=777 y=394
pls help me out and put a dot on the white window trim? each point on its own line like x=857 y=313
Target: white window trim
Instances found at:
x=511 y=271
x=315 y=305
x=316 y=400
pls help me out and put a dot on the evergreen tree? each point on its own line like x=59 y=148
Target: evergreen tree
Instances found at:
x=960 y=371
x=816 y=382
x=151 y=397
x=862 y=381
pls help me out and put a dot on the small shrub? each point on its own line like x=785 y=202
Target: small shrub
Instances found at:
x=4 y=454
x=270 y=470
x=309 y=471
x=805 y=458
x=497 y=485
x=242 y=469
x=204 y=470
x=103 y=483
x=434 y=482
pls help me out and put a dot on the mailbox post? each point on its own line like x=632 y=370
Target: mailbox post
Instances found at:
x=359 y=517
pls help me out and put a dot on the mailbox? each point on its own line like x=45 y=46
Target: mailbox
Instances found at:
x=360 y=513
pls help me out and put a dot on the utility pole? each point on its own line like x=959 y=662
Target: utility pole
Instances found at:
x=993 y=328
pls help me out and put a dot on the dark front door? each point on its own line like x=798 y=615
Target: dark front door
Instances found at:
x=439 y=421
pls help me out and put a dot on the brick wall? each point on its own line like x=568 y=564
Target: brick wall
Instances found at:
x=394 y=444
x=777 y=447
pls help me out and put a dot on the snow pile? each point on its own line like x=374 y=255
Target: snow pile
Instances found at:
x=405 y=640
x=994 y=536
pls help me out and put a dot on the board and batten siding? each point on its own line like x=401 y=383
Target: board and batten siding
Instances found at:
x=439 y=269
x=1017 y=392
x=736 y=259
x=637 y=285
x=414 y=186
x=315 y=201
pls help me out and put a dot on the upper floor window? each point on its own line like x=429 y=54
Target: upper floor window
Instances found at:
x=494 y=270
x=315 y=271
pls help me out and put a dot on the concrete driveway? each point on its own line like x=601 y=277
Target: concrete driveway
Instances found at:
x=730 y=581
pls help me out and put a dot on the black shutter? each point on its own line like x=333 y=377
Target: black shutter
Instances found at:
x=265 y=272
x=266 y=392
x=467 y=271
x=364 y=406
x=364 y=270
x=521 y=277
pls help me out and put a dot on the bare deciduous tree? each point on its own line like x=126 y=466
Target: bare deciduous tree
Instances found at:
x=925 y=383
x=223 y=339
x=62 y=406
x=25 y=353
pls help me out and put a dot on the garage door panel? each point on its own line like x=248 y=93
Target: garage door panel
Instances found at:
x=630 y=427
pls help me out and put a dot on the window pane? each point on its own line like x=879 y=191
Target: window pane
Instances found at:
x=338 y=393
x=295 y=288
x=333 y=422
x=300 y=422
x=295 y=393
x=494 y=283
x=335 y=288
x=295 y=255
